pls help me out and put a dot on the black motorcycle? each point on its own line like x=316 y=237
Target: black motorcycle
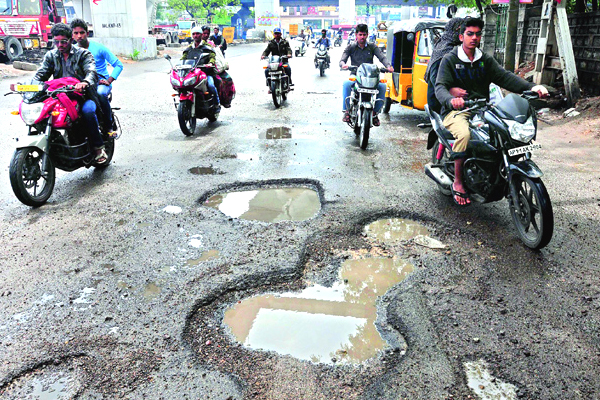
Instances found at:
x=498 y=162
x=278 y=81
x=322 y=59
x=337 y=42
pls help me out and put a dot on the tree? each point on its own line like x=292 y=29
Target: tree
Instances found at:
x=200 y=8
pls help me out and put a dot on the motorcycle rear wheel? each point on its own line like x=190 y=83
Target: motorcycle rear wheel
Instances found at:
x=434 y=161
x=187 y=123
x=535 y=222
x=365 y=129
x=387 y=106
x=26 y=175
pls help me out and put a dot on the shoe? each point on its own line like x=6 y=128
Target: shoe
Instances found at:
x=376 y=121
x=227 y=105
x=112 y=134
x=291 y=84
x=346 y=117
x=101 y=156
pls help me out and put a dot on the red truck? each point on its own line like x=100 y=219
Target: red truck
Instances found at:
x=25 y=25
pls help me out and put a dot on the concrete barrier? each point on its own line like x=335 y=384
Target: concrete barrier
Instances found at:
x=25 y=66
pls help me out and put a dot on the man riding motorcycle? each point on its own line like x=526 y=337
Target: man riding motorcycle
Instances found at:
x=279 y=47
x=219 y=40
x=70 y=61
x=468 y=68
x=200 y=43
x=362 y=52
x=323 y=40
x=102 y=57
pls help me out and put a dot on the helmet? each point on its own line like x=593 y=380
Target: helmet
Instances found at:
x=277 y=30
x=196 y=29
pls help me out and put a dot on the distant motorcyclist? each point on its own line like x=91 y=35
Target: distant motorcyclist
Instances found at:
x=362 y=52
x=279 y=47
x=219 y=40
x=323 y=40
x=194 y=50
x=67 y=60
x=302 y=37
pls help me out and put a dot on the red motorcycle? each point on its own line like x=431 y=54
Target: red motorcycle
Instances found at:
x=57 y=138
x=190 y=80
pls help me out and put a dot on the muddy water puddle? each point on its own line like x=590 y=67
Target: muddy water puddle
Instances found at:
x=268 y=205
x=486 y=386
x=280 y=132
x=208 y=255
x=395 y=229
x=50 y=385
x=321 y=324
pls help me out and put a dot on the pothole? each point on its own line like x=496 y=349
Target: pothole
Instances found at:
x=268 y=205
x=151 y=290
x=46 y=384
x=484 y=385
x=395 y=229
x=321 y=324
x=208 y=255
x=204 y=171
x=280 y=132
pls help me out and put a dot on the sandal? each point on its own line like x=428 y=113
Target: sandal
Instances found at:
x=101 y=156
x=462 y=195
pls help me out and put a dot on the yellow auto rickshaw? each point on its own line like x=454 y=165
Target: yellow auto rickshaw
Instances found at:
x=409 y=48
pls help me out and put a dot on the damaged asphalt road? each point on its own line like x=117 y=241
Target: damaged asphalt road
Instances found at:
x=117 y=287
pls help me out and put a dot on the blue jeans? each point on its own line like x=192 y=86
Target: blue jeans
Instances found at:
x=213 y=89
x=103 y=92
x=91 y=123
x=380 y=95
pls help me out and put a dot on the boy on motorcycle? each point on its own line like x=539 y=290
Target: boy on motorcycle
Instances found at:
x=468 y=68
x=200 y=37
x=323 y=40
x=362 y=52
x=102 y=56
x=69 y=61
x=279 y=47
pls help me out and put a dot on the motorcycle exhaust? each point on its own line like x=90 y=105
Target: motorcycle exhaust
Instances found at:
x=438 y=176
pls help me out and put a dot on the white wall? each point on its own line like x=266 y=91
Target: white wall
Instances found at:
x=266 y=15
x=347 y=12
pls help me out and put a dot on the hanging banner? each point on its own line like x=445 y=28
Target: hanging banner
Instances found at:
x=500 y=1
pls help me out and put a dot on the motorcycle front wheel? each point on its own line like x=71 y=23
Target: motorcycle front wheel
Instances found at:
x=187 y=123
x=535 y=222
x=322 y=69
x=365 y=129
x=276 y=93
x=30 y=182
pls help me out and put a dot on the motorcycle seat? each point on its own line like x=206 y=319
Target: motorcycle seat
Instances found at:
x=438 y=124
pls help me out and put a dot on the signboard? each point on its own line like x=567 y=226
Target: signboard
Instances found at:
x=500 y=1
x=228 y=33
x=293 y=28
x=328 y=8
x=312 y=11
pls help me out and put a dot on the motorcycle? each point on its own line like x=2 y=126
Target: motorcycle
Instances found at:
x=338 y=41
x=322 y=59
x=361 y=102
x=57 y=138
x=278 y=81
x=498 y=163
x=195 y=99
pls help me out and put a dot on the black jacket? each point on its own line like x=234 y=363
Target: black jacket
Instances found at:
x=473 y=76
x=278 y=49
x=82 y=64
x=219 y=41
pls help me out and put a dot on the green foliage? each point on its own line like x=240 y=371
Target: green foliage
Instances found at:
x=164 y=13
x=200 y=8
x=135 y=55
x=222 y=17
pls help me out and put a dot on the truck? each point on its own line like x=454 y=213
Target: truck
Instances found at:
x=25 y=26
x=164 y=34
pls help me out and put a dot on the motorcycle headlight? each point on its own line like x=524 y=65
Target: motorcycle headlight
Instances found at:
x=368 y=82
x=274 y=66
x=175 y=82
x=31 y=112
x=521 y=132
x=190 y=81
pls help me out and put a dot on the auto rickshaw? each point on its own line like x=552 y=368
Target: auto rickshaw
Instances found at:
x=409 y=48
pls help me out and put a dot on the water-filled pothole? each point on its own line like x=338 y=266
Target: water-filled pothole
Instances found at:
x=395 y=229
x=45 y=384
x=204 y=171
x=208 y=255
x=484 y=385
x=321 y=324
x=280 y=132
x=268 y=205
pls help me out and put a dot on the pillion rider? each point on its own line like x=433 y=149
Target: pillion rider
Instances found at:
x=468 y=68
x=362 y=52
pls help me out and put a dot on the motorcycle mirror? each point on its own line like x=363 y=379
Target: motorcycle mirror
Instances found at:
x=167 y=57
x=410 y=36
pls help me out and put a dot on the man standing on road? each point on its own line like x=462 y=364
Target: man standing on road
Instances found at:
x=468 y=68
x=278 y=47
x=102 y=57
x=70 y=61
x=219 y=40
x=362 y=52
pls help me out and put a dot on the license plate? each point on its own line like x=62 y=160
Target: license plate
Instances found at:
x=525 y=149
x=372 y=91
x=29 y=88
